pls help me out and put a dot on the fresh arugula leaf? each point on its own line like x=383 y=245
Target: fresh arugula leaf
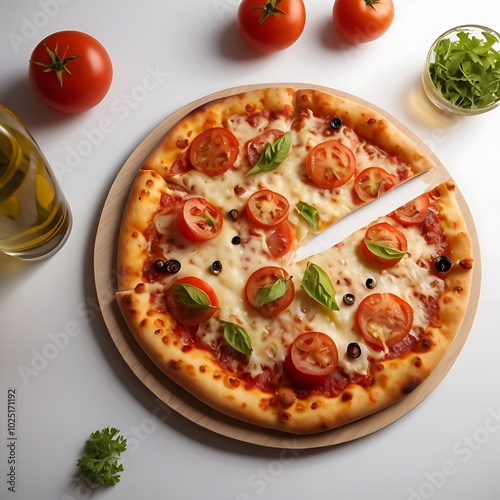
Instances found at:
x=238 y=338
x=100 y=464
x=466 y=71
x=271 y=292
x=379 y=249
x=318 y=286
x=191 y=296
x=309 y=213
x=273 y=155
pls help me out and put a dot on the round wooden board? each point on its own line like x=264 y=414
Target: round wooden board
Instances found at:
x=183 y=402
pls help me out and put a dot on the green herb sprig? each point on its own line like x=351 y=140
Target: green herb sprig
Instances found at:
x=381 y=249
x=272 y=292
x=318 y=286
x=237 y=338
x=192 y=296
x=310 y=214
x=273 y=155
x=100 y=464
x=466 y=71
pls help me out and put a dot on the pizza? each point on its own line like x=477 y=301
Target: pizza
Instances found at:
x=211 y=288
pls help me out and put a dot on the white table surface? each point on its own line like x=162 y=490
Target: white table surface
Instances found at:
x=447 y=448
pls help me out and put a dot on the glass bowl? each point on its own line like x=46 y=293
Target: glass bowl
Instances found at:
x=433 y=69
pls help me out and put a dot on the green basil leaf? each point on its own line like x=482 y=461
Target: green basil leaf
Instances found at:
x=318 y=286
x=191 y=296
x=271 y=292
x=380 y=250
x=273 y=155
x=309 y=213
x=237 y=338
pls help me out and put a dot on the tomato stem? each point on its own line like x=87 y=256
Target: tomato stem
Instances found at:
x=270 y=9
x=57 y=64
x=371 y=3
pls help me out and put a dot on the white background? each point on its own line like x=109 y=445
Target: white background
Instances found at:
x=446 y=449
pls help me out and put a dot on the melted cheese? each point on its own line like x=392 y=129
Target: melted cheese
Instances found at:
x=270 y=337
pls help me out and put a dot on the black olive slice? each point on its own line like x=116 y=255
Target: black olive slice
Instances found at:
x=170 y=266
x=349 y=299
x=236 y=240
x=370 y=283
x=216 y=266
x=354 y=350
x=233 y=214
x=336 y=123
x=443 y=264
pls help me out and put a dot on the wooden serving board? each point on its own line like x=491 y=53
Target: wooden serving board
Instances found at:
x=184 y=403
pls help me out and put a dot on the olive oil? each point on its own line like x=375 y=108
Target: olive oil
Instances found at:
x=35 y=219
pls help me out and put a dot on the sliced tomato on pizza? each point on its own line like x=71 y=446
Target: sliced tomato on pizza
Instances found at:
x=207 y=280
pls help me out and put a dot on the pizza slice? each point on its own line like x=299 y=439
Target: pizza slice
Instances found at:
x=348 y=154
x=223 y=136
x=326 y=155
x=308 y=346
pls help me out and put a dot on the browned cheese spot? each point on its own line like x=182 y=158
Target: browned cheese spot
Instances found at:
x=466 y=264
x=346 y=397
x=426 y=343
x=175 y=365
x=128 y=300
x=233 y=382
x=286 y=399
x=285 y=416
x=411 y=385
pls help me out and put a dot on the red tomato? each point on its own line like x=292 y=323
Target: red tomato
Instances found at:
x=312 y=357
x=258 y=144
x=270 y=25
x=361 y=21
x=70 y=71
x=188 y=315
x=214 y=151
x=199 y=220
x=265 y=208
x=388 y=236
x=280 y=239
x=384 y=319
x=330 y=164
x=268 y=276
x=413 y=212
x=373 y=182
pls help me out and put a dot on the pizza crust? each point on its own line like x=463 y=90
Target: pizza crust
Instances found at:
x=195 y=369
x=368 y=124
x=272 y=101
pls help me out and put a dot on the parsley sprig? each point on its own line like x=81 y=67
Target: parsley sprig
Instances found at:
x=100 y=464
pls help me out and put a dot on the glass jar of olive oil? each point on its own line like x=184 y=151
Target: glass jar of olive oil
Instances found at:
x=35 y=218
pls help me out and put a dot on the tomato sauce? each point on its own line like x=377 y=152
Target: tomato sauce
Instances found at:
x=433 y=233
x=405 y=346
x=167 y=205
